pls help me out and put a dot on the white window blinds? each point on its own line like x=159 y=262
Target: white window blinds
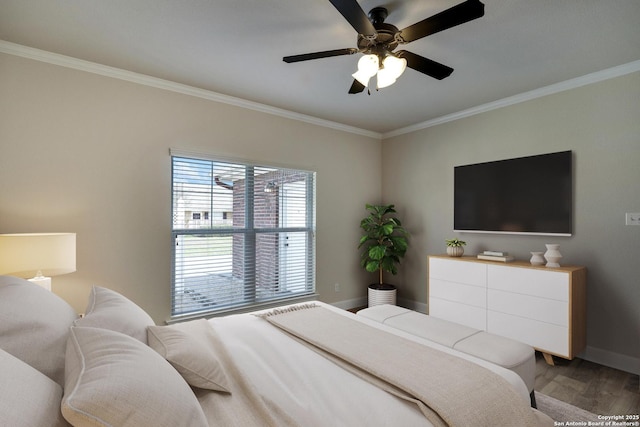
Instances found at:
x=242 y=234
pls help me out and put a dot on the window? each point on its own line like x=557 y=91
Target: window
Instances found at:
x=255 y=243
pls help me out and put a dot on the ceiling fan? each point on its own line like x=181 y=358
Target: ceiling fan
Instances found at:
x=377 y=40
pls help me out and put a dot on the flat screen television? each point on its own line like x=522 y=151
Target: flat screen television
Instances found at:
x=526 y=195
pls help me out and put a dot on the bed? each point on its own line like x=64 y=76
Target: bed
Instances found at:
x=301 y=365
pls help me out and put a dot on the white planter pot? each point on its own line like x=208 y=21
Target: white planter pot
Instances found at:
x=382 y=296
x=455 y=250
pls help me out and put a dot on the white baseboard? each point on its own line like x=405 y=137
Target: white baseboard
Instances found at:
x=413 y=305
x=612 y=360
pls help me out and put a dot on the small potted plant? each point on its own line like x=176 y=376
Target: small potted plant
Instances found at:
x=455 y=247
x=383 y=245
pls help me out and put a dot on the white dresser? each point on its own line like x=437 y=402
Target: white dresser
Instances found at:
x=543 y=307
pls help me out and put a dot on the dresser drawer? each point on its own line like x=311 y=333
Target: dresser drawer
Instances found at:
x=543 y=336
x=528 y=281
x=458 y=271
x=541 y=309
x=458 y=292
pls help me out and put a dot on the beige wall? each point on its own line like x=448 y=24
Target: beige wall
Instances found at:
x=601 y=124
x=89 y=154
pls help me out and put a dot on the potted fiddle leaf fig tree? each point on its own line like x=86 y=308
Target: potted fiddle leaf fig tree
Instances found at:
x=384 y=243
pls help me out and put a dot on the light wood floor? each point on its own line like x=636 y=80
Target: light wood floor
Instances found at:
x=587 y=385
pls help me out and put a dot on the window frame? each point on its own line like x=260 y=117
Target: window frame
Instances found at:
x=250 y=232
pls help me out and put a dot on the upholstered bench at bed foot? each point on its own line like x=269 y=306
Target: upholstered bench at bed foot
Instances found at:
x=505 y=352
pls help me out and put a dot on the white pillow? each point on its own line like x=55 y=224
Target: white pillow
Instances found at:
x=34 y=325
x=108 y=309
x=189 y=347
x=28 y=397
x=112 y=379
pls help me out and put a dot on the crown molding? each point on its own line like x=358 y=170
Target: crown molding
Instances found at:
x=143 y=79
x=117 y=73
x=588 y=79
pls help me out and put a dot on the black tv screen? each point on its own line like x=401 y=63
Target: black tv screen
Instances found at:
x=526 y=195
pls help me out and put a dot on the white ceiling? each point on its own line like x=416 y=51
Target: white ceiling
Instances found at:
x=235 y=47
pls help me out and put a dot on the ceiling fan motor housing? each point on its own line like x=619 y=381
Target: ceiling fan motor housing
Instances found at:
x=384 y=41
x=377 y=15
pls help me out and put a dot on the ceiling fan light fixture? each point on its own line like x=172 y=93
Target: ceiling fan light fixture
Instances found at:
x=394 y=65
x=367 y=68
x=384 y=79
x=392 y=68
x=362 y=77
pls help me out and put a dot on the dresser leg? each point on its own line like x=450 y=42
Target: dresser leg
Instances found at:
x=548 y=358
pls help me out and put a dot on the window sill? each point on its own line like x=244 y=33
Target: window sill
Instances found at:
x=242 y=309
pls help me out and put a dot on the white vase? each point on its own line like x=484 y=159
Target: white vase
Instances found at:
x=552 y=255
x=536 y=258
x=455 y=250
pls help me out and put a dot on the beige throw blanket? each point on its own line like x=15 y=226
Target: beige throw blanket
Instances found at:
x=450 y=391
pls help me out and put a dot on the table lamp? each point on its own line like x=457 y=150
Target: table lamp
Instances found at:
x=35 y=256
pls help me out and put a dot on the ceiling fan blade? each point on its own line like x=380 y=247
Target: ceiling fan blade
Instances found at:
x=356 y=87
x=424 y=65
x=459 y=14
x=318 y=55
x=354 y=14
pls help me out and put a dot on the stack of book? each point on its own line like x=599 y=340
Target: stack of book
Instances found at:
x=496 y=256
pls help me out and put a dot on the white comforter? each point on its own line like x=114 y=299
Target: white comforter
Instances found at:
x=312 y=390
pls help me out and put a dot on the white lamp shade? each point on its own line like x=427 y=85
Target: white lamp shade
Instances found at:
x=392 y=69
x=385 y=79
x=368 y=64
x=394 y=65
x=362 y=77
x=367 y=68
x=24 y=255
